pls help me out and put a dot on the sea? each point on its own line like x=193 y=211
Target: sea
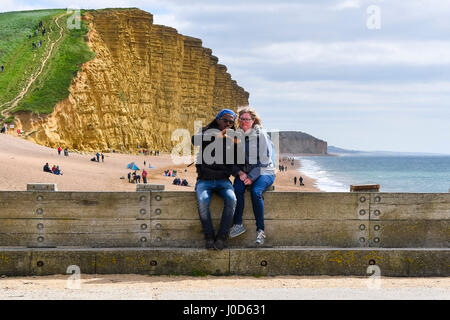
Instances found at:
x=415 y=174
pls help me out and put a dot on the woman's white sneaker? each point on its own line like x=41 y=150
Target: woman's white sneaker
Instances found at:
x=260 y=237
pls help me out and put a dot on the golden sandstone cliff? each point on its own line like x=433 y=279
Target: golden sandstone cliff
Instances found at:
x=146 y=81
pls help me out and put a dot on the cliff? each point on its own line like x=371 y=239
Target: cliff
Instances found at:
x=296 y=142
x=145 y=81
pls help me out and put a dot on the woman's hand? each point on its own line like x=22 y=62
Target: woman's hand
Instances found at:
x=242 y=176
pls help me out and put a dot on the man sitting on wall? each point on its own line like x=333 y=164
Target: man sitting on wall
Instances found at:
x=213 y=176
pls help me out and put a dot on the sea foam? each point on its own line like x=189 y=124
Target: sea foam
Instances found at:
x=323 y=181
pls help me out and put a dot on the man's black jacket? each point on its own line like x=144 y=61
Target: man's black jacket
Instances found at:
x=217 y=170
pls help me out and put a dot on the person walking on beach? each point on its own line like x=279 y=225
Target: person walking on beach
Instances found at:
x=129 y=177
x=103 y=157
x=144 y=176
x=213 y=174
x=98 y=156
x=59 y=151
x=257 y=172
x=301 y=181
x=295 y=180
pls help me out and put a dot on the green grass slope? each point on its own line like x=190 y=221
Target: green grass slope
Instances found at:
x=21 y=61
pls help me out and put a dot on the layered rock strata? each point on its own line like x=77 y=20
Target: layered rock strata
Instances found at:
x=146 y=81
x=296 y=142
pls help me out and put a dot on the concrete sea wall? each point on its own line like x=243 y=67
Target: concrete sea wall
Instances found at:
x=159 y=232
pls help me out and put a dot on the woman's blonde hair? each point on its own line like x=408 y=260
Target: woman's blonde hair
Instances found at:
x=252 y=113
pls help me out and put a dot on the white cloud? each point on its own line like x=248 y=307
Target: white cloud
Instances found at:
x=170 y=20
x=347 y=4
x=417 y=53
x=357 y=96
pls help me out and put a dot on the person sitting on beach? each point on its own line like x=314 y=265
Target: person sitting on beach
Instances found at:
x=258 y=171
x=47 y=168
x=176 y=181
x=185 y=183
x=57 y=171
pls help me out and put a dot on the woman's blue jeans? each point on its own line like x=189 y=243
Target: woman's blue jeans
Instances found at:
x=204 y=190
x=257 y=188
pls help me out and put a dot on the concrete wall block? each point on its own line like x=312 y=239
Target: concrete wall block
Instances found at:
x=337 y=233
x=48 y=262
x=42 y=187
x=163 y=261
x=343 y=262
x=297 y=262
x=76 y=205
x=410 y=234
x=410 y=206
x=278 y=205
x=14 y=262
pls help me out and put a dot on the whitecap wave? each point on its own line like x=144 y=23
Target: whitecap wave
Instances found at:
x=323 y=180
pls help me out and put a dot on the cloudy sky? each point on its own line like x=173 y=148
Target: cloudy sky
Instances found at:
x=359 y=74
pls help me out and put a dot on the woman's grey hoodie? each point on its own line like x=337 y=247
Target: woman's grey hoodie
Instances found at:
x=255 y=154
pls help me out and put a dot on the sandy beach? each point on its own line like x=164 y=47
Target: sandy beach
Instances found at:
x=144 y=287
x=22 y=162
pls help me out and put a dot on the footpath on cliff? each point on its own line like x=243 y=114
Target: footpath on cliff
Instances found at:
x=22 y=162
x=10 y=105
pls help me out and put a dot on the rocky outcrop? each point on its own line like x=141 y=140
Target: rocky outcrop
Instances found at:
x=296 y=142
x=146 y=81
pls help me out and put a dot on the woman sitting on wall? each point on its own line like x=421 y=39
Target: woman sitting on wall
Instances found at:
x=256 y=172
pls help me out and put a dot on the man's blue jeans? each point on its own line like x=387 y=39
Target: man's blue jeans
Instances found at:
x=204 y=190
x=257 y=188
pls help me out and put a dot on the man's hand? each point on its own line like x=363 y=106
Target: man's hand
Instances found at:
x=248 y=181
x=222 y=134
x=242 y=176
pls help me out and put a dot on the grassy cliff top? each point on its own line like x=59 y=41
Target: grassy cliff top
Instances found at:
x=22 y=61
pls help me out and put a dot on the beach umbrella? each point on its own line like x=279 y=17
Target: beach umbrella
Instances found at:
x=132 y=166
